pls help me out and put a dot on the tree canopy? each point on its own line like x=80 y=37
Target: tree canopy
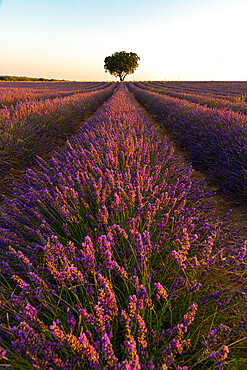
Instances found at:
x=120 y=64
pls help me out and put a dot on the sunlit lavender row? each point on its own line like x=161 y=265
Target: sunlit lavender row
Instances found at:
x=36 y=127
x=111 y=258
x=12 y=93
x=216 y=139
x=236 y=104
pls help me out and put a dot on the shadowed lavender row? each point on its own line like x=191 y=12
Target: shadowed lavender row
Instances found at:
x=228 y=89
x=216 y=139
x=111 y=258
x=236 y=104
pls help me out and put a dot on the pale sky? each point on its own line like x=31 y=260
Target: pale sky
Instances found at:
x=175 y=39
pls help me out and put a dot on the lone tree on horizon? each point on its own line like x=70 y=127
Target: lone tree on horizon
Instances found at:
x=121 y=64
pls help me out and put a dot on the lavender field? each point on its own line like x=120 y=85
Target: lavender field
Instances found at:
x=212 y=129
x=36 y=120
x=111 y=255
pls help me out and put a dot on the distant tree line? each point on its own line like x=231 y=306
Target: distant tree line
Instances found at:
x=24 y=78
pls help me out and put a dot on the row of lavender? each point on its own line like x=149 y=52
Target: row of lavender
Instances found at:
x=229 y=89
x=216 y=139
x=236 y=104
x=111 y=258
x=33 y=128
x=12 y=93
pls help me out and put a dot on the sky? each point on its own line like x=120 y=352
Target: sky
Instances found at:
x=175 y=39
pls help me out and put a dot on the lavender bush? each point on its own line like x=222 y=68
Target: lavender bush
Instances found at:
x=32 y=128
x=12 y=93
x=232 y=90
x=111 y=258
x=236 y=103
x=216 y=139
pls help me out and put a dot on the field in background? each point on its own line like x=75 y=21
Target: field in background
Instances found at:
x=37 y=118
x=209 y=120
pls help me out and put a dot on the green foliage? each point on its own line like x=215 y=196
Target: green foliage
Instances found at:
x=120 y=64
x=24 y=78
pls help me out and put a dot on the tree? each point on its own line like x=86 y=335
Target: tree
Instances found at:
x=120 y=64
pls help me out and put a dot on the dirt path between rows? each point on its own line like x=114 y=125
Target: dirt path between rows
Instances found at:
x=226 y=207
